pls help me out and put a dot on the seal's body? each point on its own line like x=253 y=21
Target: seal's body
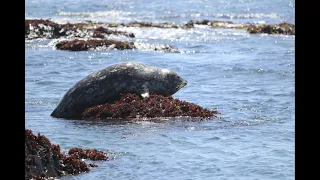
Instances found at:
x=105 y=86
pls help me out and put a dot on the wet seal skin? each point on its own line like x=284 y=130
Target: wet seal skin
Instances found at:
x=106 y=85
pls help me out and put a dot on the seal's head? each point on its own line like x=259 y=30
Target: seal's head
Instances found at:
x=175 y=82
x=168 y=83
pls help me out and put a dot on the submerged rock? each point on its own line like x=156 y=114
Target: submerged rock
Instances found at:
x=212 y=23
x=44 y=160
x=83 y=45
x=282 y=28
x=134 y=106
x=101 y=31
x=150 y=24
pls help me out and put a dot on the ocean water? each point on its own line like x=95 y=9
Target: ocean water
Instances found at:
x=249 y=78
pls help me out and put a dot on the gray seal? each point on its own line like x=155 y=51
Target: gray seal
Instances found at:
x=105 y=86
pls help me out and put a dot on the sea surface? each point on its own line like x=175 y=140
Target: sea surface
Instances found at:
x=249 y=78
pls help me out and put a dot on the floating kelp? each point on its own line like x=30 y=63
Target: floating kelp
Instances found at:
x=134 y=106
x=43 y=159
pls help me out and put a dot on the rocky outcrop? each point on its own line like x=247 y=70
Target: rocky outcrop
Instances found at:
x=92 y=44
x=211 y=23
x=83 y=45
x=44 y=160
x=150 y=24
x=40 y=28
x=282 y=28
x=100 y=32
x=133 y=106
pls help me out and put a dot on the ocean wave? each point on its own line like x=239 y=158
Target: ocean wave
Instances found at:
x=256 y=120
x=101 y=16
x=36 y=46
x=185 y=35
x=251 y=70
x=119 y=16
x=224 y=15
x=155 y=47
x=108 y=14
x=248 y=16
x=33 y=102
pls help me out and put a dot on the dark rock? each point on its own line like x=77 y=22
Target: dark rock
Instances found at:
x=149 y=24
x=40 y=28
x=98 y=32
x=212 y=23
x=83 y=45
x=282 y=28
x=43 y=159
x=91 y=154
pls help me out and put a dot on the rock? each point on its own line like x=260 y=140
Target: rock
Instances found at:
x=44 y=160
x=282 y=28
x=133 y=106
x=98 y=32
x=83 y=45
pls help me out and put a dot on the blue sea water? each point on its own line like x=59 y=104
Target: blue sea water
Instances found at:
x=249 y=78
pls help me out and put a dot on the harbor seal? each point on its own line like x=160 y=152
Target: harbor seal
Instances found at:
x=105 y=86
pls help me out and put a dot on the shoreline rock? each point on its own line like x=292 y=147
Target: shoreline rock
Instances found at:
x=44 y=160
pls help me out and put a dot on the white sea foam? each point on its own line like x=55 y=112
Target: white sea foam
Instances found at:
x=224 y=15
x=113 y=13
x=190 y=35
x=155 y=47
x=102 y=16
x=248 y=15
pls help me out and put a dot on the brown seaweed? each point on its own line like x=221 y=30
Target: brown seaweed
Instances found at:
x=134 y=106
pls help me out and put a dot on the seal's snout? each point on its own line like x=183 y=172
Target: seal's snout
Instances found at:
x=184 y=83
x=181 y=85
